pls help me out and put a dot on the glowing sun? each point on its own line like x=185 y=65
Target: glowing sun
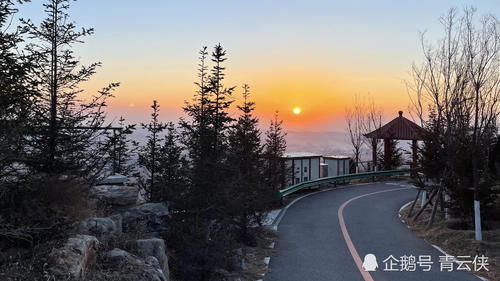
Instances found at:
x=297 y=110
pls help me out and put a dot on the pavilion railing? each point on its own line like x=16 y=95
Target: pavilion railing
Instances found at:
x=335 y=179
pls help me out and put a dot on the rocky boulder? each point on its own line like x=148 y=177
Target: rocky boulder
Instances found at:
x=123 y=264
x=154 y=248
x=149 y=218
x=75 y=257
x=103 y=228
x=115 y=195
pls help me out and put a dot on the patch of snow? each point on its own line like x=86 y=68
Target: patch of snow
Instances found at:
x=271 y=217
x=114 y=179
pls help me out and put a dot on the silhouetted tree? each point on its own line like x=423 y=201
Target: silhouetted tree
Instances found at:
x=431 y=154
x=66 y=131
x=122 y=149
x=356 y=119
x=245 y=160
x=206 y=133
x=458 y=81
x=149 y=156
x=362 y=119
x=172 y=169
x=221 y=100
x=16 y=93
x=205 y=220
x=274 y=150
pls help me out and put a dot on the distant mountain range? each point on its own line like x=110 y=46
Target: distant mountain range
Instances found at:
x=324 y=143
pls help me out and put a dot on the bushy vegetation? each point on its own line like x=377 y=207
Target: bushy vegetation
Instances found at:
x=52 y=142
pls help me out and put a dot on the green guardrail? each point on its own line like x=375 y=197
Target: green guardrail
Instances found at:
x=296 y=187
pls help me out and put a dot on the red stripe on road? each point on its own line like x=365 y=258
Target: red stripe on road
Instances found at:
x=366 y=275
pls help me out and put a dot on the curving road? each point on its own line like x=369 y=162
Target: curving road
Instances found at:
x=325 y=237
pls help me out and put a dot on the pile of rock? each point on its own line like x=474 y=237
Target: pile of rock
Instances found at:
x=128 y=264
x=147 y=221
x=76 y=256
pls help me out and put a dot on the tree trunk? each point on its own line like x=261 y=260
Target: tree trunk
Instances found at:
x=53 y=94
x=475 y=170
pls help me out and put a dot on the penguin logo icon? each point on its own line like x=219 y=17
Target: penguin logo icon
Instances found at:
x=370 y=263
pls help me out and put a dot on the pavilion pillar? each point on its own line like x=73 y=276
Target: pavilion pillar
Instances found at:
x=374 y=153
x=414 y=148
x=387 y=148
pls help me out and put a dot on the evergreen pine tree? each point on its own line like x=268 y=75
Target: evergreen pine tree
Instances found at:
x=172 y=169
x=16 y=92
x=206 y=134
x=205 y=219
x=220 y=100
x=245 y=159
x=431 y=157
x=149 y=156
x=274 y=150
x=122 y=149
x=66 y=131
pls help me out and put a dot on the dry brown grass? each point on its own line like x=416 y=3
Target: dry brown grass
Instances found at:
x=32 y=266
x=457 y=242
x=255 y=255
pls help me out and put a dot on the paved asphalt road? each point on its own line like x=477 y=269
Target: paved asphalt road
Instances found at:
x=312 y=247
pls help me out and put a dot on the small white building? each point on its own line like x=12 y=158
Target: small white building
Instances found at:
x=302 y=166
x=338 y=165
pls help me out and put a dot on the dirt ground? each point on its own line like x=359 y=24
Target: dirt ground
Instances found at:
x=457 y=242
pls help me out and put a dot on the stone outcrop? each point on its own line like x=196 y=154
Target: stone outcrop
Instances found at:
x=115 y=195
x=124 y=263
x=102 y=228
x=129 y=222
x=149 y=218
x=75 y=257
x=154 y=247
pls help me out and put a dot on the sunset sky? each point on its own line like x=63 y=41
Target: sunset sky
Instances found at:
x=316 y=55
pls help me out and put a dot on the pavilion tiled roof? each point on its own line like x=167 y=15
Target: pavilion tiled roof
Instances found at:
x=400 y=129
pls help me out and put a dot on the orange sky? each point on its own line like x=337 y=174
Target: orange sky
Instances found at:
x=317 y=55
x=323 y=92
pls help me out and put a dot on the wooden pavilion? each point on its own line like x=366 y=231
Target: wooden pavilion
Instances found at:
x=399 y=128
